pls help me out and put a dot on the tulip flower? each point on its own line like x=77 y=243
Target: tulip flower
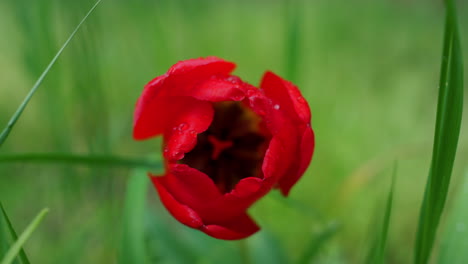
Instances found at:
x=226 y=143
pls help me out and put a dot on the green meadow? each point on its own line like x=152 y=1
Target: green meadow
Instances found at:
x=370 y=70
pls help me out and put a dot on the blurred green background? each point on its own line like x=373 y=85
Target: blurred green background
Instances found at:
x=369 y=70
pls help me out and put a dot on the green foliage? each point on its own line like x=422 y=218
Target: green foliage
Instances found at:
x=133 y=248
x=449 y=114
x=17 y=247
x=74 y=159
x=359 y=64
x=454 y=240
x=294 y=21
x=8 y=236
x=377 y=252
x=19 y=111
x=264 y=247
x=317 y=242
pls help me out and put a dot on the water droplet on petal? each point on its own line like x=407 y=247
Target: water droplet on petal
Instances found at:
x=276 y=106
x=233 y=79
x=237 y=97
x=166 y=150
x=183 y=126
x=178 y=155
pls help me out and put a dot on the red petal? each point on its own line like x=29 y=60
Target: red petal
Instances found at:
x=202 y=67
x=282 y=152
x=205 y=79
x=286 y=96
x=182 y=194
x=282 y=148
x=197 y=191
x=169 y=112
x=198 y=78
x=148 y=120
x=300 y=165
x=189 y=186
x=181 y=212
x=236 y=228
x=189 y=117
x=245 y=193
x=218 y=88
x=247 y=187
x=290 y=149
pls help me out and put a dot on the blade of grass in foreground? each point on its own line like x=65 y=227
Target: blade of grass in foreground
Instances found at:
x=455 y=238
x=317 y=242
x=6 y=224
x=133 y=246
x=89 y=160
x=377 y=253
x=18 y=245
x=447 y=130
x=19 y=111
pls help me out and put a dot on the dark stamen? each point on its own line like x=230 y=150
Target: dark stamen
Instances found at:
x=218 y=145
x=232 y=148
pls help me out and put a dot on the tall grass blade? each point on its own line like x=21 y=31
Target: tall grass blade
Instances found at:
x=317 y=242
x=18 y=245
x=133 y=238
x=75 y=159
x=264 y=247
x=4 y=236
x=447 y=130
x=377 y=253
x=19 y=111
x=6 y=226
x=455 y=238
x=294 y=22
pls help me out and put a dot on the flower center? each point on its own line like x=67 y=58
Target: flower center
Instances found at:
x=232 y=148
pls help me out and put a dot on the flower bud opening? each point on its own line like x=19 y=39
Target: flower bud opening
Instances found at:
x=232 y=148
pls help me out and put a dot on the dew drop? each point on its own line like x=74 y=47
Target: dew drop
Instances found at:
x=183 y=126
x=232 y=79
x=276 y=106
x=250 y=92
x=237 y=97
x=178 y=155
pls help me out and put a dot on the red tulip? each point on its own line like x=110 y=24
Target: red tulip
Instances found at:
x=226 y=142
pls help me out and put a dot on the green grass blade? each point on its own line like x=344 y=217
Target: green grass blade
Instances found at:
x=19 y=111
x=317 y=242
x=133 y=238
x=454 y=240
x=6 y=224
x=4 y=237
x=448 y=122
x=18 y=245
x=89 y=160
x=377 y=253
x=264 y=247
x=294 y=22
